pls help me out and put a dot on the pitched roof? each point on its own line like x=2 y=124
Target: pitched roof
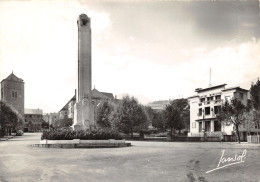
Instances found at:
x=13 y=77
x=97 y=94
x=67 y=105
x=109 y=95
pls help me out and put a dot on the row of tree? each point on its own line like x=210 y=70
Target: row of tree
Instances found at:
x=129 y=116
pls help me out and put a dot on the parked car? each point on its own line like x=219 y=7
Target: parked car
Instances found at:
x=19 y=133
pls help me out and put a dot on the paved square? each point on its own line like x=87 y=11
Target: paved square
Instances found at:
x=144 y=161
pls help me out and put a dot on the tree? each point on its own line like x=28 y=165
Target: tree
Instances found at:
x=255 y=103
x=172 y=116
x=9 y=118
x=255 y=94
x=129 y=116
x=155 y=118
x=44 y=125
x=149 y=114
x=185 y=117
x=234 y=113
x=158 y=121
x=61 y=123
x=183 y=106
x=102 y=114
x=177 y=114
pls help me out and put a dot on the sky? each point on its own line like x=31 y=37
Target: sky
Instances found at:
x=154 y=50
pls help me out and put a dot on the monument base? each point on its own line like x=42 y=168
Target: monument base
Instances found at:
x=83 y=115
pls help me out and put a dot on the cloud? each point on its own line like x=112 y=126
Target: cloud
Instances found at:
x=39 y=43
x=127 y=73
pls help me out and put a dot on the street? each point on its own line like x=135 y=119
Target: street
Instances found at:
x=144 y=161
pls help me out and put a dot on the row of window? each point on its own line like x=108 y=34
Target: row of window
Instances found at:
x=33 y=116
x=216 y=110
x=14 y=94
x=217 y=97
x=217 y=126
x=33 y=121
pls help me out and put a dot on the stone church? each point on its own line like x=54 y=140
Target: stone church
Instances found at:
x=12 y=92
x=67 y=110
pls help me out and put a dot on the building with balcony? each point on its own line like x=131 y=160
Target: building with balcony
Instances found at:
x=206 y=104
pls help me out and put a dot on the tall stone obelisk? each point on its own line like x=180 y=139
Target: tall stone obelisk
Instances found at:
x=84 y=109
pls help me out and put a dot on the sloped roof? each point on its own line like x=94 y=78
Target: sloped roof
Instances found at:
x=97 y=94
x=67 y=105
x=109 y=95
x=13 y=77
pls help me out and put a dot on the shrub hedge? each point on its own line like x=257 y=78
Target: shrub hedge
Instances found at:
x=94 y=134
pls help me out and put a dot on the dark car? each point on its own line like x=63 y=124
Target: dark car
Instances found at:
x=19 y=133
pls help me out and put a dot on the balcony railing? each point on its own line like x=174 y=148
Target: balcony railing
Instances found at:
x=219 y=101
x=202 y=116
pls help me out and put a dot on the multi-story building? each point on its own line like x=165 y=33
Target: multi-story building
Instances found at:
x=12 y=92
x=206 y=104
x=33 y=119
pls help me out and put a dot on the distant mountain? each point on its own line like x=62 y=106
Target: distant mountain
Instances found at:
x=141 y=98
x=160 y=102
x=159 y=105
